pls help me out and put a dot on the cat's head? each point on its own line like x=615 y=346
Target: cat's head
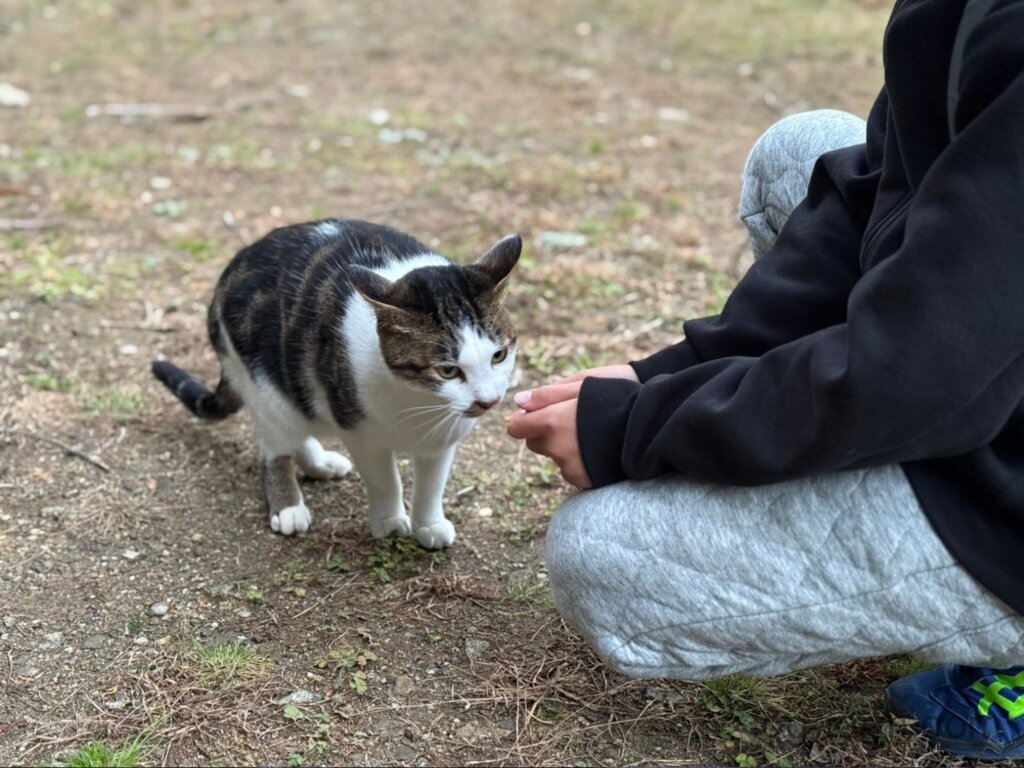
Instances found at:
x=446 y=328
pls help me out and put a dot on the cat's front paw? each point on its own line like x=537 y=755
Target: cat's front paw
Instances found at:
x=330 y=465
x=436 y=535
x=291 y=520
x=382 y=526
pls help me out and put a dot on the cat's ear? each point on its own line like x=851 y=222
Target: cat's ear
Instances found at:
x=377 y=290
x=495 y=266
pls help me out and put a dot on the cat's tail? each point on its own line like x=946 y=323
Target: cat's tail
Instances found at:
x=195 y=395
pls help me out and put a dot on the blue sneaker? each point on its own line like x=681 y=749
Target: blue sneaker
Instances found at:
x=974 y=712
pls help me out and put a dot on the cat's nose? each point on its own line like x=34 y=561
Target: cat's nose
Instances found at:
x=486 y=405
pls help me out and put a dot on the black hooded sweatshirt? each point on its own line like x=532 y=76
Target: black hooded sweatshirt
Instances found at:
x=886 y=324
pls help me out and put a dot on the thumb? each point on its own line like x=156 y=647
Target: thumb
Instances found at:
x=535 y=399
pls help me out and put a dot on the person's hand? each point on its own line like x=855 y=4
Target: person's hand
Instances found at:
x=547 y=421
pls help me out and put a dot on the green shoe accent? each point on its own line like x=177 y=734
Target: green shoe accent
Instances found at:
x=992 y=694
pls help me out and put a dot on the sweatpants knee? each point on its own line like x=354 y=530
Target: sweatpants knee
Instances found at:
x=565 y=550
x=779 y=167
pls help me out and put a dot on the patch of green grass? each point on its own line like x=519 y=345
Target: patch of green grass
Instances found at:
x=43 y=270
x=523 y=533
x=519 y=491
x=202 y=249
x=171 y=208
x=77 y=205
x=359 y=683
x=82 y=162
x=738 y=697
x=347 y=664
x=597 y=230
x=134 y=624
x=551 y=709
x=97 y=754
x=16 y=242
x=48 y=382
x=226 y=663
x=396 y=554
x=338 y=564
x=528 y=591
x=901 y=666
x=123 y=405
x=629 y=210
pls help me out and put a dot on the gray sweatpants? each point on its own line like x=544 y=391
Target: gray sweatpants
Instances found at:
x=671 y=578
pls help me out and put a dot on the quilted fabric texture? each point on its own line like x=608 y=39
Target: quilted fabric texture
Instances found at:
x=668 y=578
x=779 y=167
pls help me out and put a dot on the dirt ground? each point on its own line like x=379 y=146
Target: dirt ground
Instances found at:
x=143 y=599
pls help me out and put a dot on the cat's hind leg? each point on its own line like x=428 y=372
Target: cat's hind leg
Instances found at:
x=288 y=512
x=319 y=464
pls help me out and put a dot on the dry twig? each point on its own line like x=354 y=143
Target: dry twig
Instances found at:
x=60 y=444
x=7 y=225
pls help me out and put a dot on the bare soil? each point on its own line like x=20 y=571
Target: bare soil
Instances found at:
x=133 y=537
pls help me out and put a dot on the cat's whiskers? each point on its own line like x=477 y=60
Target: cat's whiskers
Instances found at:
x=422 y=413
x=449 y=419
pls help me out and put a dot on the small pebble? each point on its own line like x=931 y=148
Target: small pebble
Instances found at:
x=301 y=696
x=51 y=640
x=12 y=96
x=404 y=685
x=94 y=642
x=159 y=609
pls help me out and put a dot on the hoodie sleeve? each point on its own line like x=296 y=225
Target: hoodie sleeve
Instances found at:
x=925 y=358
x=803 y=282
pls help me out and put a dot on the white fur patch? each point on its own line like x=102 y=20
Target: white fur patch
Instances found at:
x=280 y=426
x=397 y=269
x=327 y=229
x=317 y=463
x=437 y=535
x=485 y=380
x=291 y=520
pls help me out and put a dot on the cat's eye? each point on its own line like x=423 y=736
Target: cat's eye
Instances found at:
x=448 y=371
x=499 y=356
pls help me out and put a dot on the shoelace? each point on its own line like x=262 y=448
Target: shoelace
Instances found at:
x=993 y=694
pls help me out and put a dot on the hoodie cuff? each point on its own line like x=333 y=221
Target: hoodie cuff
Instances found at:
x=669 y=360
x=602 y=412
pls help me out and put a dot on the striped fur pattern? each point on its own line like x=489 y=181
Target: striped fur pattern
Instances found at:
x=352 y=330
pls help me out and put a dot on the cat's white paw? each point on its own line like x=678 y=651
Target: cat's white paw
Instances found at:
x=330 y=465
x=436 y=535
x=382 y=526
x=291 y=520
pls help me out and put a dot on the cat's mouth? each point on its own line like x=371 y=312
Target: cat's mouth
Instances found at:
x=479 y=408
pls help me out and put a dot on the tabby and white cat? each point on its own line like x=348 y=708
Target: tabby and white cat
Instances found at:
x=342 y=328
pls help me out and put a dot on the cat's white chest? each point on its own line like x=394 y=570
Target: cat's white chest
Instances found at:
x=414 y=423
